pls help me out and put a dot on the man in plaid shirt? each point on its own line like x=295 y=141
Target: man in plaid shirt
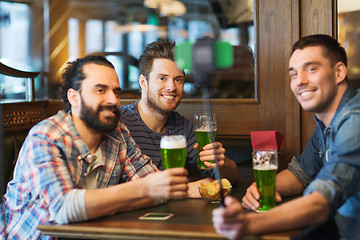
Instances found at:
x=71 y=164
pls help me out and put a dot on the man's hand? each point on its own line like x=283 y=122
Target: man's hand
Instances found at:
x=211 y=152
x=252 y=196
x=194 y=187
x=230 y=221
x=171 y=183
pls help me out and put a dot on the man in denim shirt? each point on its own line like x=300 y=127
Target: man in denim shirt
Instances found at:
x=328 y=171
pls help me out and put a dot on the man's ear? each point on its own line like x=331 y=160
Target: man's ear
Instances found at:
x=73 y=97
x=341 y=72
x=142 y=82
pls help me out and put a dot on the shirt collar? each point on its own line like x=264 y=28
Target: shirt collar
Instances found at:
x=84 y=151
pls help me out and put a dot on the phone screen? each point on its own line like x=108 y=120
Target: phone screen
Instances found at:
x=156 y=216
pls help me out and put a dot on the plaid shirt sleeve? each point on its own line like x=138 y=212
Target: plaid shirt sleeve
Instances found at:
x=48 y=167
x=41 y=179
x=136 y=165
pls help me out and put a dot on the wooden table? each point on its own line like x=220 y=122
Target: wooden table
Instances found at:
x=191 y=220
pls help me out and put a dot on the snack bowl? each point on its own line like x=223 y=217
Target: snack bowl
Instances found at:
x=211 y=191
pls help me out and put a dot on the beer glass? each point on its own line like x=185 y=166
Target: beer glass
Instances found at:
x=204 y=125
x=173 y=151
x=265 y=165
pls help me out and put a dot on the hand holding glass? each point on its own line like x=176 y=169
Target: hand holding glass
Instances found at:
x=204 y=125
x=265 y=165
x=173 y=151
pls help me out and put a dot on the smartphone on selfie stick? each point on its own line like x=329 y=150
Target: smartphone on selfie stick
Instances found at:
x=202 y=58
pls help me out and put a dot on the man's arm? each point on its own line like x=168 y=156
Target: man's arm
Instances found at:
x=301 y=212
x=287 y=184
x=168 y=184
x=233 y=223
x=229 y=170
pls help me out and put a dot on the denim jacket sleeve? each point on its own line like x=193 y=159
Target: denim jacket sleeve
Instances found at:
x=339 y=179
x=308 y=164
x=331 y=160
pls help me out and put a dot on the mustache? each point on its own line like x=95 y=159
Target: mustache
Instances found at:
x=110 y=108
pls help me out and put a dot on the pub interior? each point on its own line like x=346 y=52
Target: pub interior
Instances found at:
x=38 y=38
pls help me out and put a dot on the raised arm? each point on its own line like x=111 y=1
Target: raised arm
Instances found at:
x=227 y=166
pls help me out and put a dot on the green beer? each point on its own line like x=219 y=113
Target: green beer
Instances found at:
x=265 y=177
x=173 y=151
x=173 y=157
x=203 y=138
x=204 y=124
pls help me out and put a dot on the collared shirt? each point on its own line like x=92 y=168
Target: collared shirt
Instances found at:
x=330 y=162
x=149 y=141
x=54 y=160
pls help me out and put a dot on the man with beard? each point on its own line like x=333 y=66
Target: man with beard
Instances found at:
x=327 y=173
x=162 y=83
x=82 y=163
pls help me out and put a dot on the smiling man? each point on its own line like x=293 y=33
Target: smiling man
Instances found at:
x=327 y=172
x=82 y=163
x=161 y=83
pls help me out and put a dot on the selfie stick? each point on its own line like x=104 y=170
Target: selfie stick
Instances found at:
x=203 y=57
x=205 y=96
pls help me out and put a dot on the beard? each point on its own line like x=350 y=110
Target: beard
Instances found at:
x=155 y=104
x=92 y=119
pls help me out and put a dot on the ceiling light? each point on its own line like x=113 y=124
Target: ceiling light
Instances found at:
x=167 y=7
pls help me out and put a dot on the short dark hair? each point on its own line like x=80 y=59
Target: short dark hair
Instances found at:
x=73 y=75
x=158 y=49
x=332 y=48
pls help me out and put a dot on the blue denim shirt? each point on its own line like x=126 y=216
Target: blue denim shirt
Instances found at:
x=330 y=163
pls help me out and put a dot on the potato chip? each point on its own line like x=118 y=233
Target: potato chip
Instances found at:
x=212 y=190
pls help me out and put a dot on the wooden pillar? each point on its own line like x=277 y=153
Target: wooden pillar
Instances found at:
x=82 y=38
x=280 y=24
x=58 y=42
x=278 y=110
x=317 y=17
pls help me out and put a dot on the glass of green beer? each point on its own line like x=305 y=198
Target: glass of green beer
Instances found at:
x=173 y=151
x=204 y=125
x=265 y=165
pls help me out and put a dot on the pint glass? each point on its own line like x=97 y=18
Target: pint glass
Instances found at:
x=204 y=125
x=265 y=165
x=173 y=151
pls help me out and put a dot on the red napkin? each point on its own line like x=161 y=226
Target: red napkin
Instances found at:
x=266 y=139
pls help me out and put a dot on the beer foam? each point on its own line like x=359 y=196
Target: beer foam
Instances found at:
x=173 y=142
x=205 y=129
x=265 y=167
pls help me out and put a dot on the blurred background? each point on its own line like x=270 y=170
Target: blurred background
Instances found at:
x=42 y=35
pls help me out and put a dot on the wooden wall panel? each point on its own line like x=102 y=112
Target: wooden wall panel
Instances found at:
x=278 y=110
x=317 y=17
x=234 y=117
x=292 y=107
